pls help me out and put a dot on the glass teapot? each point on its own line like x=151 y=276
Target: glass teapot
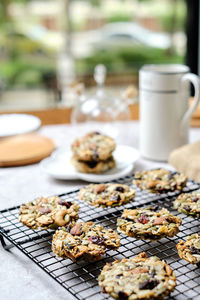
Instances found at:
x=100 y=106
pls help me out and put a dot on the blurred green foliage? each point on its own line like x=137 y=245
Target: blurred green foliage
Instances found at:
x=165 y=21
x=174 y=17
x=120 y=17
x=95 y=3
x=29 y=71
x=26 y=62
x=26 y=72
x=125 y=59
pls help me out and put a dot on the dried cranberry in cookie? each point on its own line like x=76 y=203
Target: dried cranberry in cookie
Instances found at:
x=132 y=278
x=190 y=249
x=105 y=195
x=93 y=167
x=189 y=203
x=84 y=241
x=48 y=212
x=146 y=223
x=159 y=180
x=94 y=146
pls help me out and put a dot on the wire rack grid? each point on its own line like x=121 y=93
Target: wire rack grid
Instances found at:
x=80 y=278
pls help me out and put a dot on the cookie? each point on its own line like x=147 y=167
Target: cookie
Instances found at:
x=190 y=250
x=84 y=241
x=189 y=203
x=148 y=224
x=94 y=146
x=48 y=212
x=159 y=180
x=137 y=278
x=109 y=194
x=96 y=167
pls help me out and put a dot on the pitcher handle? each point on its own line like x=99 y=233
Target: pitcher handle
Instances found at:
x=194 y=79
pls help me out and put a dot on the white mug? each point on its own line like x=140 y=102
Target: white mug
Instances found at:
x=164 y=91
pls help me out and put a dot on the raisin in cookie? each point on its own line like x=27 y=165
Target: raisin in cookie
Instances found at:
x=96 y=167
x=147 y=223
x=189 y=203
x=159 y=180
x=190 y=250
x=84 y=241
x=137 y=278
x=109 y=194
x=49 y=212
x=94 y=146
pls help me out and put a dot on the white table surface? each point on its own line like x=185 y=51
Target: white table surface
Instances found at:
x=20 y=278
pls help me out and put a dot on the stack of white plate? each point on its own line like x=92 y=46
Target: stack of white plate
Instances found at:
x=58 y=165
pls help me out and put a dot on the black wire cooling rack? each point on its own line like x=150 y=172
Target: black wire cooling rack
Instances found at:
x=80 y=278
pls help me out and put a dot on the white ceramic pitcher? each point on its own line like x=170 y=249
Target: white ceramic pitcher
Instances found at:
x=164 y=91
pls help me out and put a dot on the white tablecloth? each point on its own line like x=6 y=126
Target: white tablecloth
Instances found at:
x=20 y=278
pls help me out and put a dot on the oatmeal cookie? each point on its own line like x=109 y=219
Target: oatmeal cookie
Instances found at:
x=96 y=167
x=84 y=241
x=48 y=212
x=137 y=278
x=94 y=146
x=159 y=180
x=189 y=203
x=148 y=224
x=109 y=194
x=190 y=250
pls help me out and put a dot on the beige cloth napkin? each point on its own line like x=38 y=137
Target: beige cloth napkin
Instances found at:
x=186 y=159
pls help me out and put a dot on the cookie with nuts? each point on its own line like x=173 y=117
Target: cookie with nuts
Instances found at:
x=48 y=212
x=105 y=195
x=95 y=167
x=137 y=278
x=190 y=250
x=84 y=241
x=159 y=180
x=189 y=203
x=94 y=146
x=148 y=223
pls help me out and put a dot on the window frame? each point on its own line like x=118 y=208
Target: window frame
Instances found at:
x=192 y=33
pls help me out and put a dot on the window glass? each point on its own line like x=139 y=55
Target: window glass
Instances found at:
x=124 y=35
x=44 y=45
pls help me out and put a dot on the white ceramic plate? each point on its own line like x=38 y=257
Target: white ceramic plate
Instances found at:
x=58 y=165
x=13 y=124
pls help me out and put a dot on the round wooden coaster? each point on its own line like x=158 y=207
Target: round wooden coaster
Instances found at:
x=24 y=149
